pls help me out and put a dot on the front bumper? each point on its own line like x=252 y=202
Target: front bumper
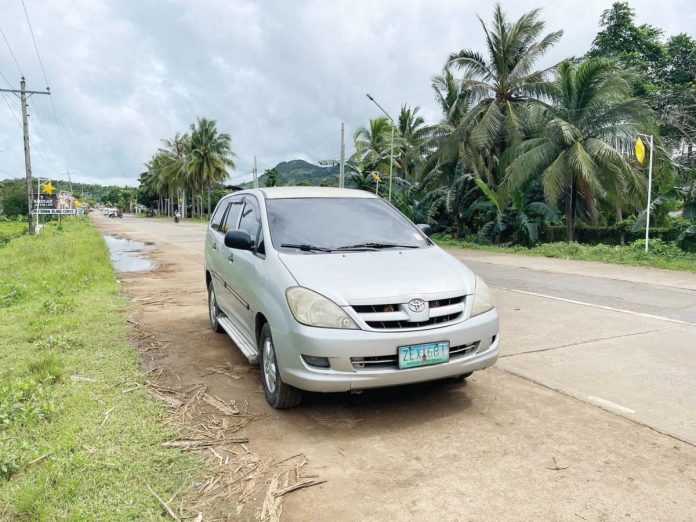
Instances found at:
x=340 y=346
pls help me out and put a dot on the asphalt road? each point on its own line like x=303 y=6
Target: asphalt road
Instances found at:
x=590 y=413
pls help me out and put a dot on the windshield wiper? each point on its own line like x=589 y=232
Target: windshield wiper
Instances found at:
x=374 y=246
x=306 y=247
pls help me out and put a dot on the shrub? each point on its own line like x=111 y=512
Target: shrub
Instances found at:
x=657 y=247
x=11 y=293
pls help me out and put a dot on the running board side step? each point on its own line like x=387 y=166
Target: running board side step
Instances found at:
x=248 y=349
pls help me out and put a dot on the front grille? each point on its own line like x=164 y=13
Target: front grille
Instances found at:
x=375 y=309
x=446 y=302
x=413 y=324
x=395 y=316
x=392 y=361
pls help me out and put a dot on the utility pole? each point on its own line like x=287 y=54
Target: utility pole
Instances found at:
x=27 y=155
x=256 y=175
x=67 y=172
x=650 y=172
x=342 y=158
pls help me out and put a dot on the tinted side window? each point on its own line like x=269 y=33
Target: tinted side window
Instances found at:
x=232 y=217
x=217 y=215
x=250 y=220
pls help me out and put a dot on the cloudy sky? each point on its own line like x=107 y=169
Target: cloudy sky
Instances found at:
x=279 y=76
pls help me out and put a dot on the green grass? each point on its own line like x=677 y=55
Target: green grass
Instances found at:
x=64 y=362
x=10 y=230
x=661 y=254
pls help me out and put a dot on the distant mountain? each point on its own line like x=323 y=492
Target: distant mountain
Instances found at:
x=301 y=172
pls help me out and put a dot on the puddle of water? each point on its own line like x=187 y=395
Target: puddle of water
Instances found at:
x=126 y=255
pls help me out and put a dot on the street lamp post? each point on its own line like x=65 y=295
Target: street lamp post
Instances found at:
x=391 y=147
x=649 y=137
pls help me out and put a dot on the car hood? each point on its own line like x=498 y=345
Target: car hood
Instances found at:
x=381 y=276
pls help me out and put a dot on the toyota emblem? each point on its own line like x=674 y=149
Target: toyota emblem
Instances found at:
x=416 y=305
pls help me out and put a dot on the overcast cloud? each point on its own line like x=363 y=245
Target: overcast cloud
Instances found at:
x=278 y=76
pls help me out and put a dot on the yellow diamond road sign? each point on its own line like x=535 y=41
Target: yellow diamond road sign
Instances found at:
x=640 y=150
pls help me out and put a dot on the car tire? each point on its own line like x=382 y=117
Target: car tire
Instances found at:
x=213 y=310
x=278 y=394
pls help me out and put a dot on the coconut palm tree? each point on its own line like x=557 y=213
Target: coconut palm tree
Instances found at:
x=175 y=164
x=499 y=85
x=590 y=104
x=372 y=146
x=414 y=137
x=209 y=157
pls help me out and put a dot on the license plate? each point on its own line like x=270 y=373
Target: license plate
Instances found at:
x=423 y=354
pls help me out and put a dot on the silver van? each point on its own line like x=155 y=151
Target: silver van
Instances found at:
x=335 y=290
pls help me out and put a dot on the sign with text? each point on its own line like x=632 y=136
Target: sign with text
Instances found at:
x=56 y=211
x=45 y=201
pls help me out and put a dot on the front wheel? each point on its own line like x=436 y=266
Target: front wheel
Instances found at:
x=278 y=394
x=213 y=310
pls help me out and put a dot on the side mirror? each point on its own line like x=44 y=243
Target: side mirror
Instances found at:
x=238 y=239
x=426 y=229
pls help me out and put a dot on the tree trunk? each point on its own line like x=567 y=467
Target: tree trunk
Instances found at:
x=208 y=197
x=570 y=212
x=619 y=219
x=184 y=213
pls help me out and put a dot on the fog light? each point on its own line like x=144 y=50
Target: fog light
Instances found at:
x=319 y=362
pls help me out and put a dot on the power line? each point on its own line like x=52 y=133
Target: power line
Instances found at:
x=44 y=137
x=53 y=106
x=10 y=174
x=36 y=47
x=9 y=107
x=12 y=53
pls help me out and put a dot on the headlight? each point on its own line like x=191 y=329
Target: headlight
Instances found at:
x=483 y=302
x=313 y=309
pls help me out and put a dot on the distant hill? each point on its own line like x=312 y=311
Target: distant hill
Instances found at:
x=301 y=172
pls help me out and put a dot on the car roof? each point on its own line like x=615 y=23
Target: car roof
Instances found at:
x=312 y=192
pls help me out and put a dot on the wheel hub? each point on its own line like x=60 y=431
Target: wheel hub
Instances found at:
x=269 y=365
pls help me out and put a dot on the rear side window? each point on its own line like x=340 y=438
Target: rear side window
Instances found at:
x=232 y=217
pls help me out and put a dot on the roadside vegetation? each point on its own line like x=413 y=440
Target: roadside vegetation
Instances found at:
x=661 y=255
x=73 y=445
x=523 y=150
x=10 y=230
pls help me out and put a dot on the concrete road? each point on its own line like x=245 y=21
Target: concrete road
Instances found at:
x=621 y=338
x=590 y=412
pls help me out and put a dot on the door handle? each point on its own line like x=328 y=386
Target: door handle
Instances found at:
x=231 y=258
x=213 y=245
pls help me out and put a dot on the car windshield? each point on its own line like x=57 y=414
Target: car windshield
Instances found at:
x=345 y=224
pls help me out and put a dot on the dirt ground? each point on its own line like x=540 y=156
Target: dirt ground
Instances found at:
x=499 y=447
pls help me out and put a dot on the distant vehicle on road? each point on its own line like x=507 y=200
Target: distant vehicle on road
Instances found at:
x=335 y=290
